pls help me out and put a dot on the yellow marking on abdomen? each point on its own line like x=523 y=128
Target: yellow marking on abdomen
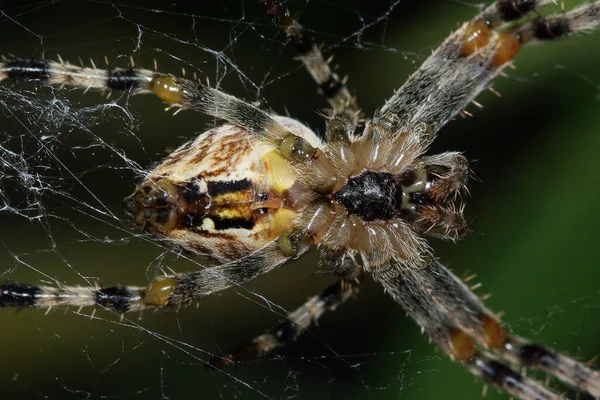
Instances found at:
x=233 y=198
x=280 y=222
x=280 y=175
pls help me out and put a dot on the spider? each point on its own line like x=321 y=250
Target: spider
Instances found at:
x=262 y=189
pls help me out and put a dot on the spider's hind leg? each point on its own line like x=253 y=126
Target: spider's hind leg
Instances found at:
x=166 y=291
x=459 y=323
x=298 y=321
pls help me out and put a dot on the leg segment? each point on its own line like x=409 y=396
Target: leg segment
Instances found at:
x=177 y=92
x=430 y=192
x=493 y=371
x=164 y=291
x=473 y=55
x=331 y=86
x=461 y=325
x=297 y=322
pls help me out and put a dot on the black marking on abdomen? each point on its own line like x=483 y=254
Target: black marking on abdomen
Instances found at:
x=122 y=79
x=550 y=30
x=192 y=220
x=27 y=70
x=115 y=297
x=18 y=295
x=514 y=9
x=331 y=87
x=216 y=188
x=231 y=223
x=191 y=193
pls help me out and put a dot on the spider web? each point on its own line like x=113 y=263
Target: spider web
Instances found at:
x=68 y=159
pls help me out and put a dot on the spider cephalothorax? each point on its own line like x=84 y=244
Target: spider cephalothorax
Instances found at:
x=261 y=189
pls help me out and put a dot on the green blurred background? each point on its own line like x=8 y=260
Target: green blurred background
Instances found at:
x=533 y=207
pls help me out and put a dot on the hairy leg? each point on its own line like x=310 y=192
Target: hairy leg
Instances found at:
x=297 y=322
x=465 y=63
x=177 y=92
x=165 y=291
x=331 y=86
x=459 y=323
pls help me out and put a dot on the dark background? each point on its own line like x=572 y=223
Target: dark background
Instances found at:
x=533 y=207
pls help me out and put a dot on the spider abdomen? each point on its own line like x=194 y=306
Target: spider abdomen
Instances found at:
x=225 y=194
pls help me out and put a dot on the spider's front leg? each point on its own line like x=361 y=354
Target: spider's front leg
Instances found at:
x=330 y=85
x=175 y=91
x=459 y=323
x=465 y=63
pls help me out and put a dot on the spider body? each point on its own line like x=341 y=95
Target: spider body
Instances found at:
x=227 y=194
x=261 y=189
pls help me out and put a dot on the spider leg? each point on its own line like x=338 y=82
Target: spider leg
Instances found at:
x=331 y=86
x=296 y=322
x=459 y=323
x=175 y=91
x=473 y=55
x=165 y=291
x=436 y=213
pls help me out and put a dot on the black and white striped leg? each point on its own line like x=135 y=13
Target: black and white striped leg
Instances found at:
x=495 y=372
x=165 y=291
x=296 y=323
x=330 y=85
x=503 y=11
x=175 y=91
x=459 y=323
x=465 y=63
